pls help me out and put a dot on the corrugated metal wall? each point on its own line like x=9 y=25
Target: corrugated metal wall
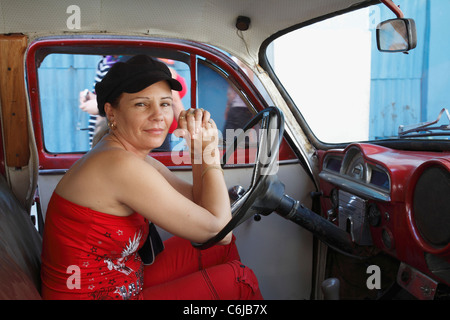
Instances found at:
x=61 y=78
x=415 y=89
x=438 y=81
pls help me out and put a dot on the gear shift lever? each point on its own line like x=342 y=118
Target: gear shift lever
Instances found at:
x=330 y=289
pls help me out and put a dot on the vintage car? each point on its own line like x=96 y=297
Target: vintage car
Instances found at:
x=333 y=117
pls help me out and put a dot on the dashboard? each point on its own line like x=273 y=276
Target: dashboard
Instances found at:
x=395 y=200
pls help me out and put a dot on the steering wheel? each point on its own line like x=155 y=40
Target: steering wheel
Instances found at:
x=270 y=136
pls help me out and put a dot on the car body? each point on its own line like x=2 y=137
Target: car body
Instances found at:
x=369 y=187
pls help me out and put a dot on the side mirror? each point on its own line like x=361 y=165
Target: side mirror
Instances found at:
x=396 y=35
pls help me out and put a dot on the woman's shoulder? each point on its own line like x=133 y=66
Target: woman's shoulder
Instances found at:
x=103 y=163
x=112 y=170
x=116 y=162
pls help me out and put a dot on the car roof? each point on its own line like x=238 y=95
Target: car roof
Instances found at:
x=207 y=21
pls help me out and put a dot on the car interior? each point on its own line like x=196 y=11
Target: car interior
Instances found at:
x=322 y=209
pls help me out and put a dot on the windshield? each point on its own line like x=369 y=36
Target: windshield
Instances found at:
x=349 y=91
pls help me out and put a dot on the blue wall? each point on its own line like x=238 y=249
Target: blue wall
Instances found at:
x=404 y=88
x=61 y=78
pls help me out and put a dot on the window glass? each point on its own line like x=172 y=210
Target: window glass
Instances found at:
x=70 y=122
x=229 y=108
x=221 y=98
x=67 y=99
x=61 y=79
x=349 y=91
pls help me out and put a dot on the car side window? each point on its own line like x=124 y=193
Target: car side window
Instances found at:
x=221 y=98
x=68 y=103
x=69 y=124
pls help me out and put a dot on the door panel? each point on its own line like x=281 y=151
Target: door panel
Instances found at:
x=279 y=251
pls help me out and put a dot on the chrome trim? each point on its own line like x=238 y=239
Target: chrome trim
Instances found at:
x=49 y=172
x=355 y=187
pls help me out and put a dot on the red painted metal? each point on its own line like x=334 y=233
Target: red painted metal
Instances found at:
x=193 y=67
x=404 y=168
x=391 y=5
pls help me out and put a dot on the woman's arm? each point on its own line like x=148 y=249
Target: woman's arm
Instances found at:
x=142 y=188
x=209 y=186
x=196 y=212
x=182 y=186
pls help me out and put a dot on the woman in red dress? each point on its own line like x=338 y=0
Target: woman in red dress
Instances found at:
x=97 y=229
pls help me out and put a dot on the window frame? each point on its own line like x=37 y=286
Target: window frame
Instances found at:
x=98 y=45
x=264 y=59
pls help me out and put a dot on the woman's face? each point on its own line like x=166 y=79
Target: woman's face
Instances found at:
x=143 y=119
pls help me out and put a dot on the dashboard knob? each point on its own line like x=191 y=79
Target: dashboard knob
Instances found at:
x=374 y=215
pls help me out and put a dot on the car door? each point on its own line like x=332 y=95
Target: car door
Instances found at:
x=62 y=71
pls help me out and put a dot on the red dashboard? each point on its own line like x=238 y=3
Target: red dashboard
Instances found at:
x=398 y=201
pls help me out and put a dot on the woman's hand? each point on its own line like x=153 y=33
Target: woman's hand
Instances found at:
x=200 y=132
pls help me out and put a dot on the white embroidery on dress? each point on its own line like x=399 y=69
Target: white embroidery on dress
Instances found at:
x=130 y=248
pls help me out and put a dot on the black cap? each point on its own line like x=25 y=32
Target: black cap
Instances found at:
x=132 y=76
